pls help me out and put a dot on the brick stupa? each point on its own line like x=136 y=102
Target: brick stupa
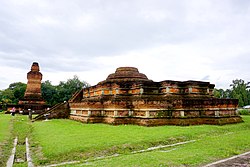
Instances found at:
x=129 y=97
x=33 y=97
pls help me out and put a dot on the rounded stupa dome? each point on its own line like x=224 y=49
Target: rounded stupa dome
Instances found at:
x=126 y=74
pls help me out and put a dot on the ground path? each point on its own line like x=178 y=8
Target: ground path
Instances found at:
x=242 y=160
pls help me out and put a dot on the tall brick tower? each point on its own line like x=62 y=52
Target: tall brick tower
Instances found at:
x=33 y=97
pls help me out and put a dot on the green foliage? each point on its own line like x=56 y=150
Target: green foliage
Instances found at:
x=244 y=112
x=62 y=92
x=68 y=88
x=18 y=89
x=220 y=93
x=6 y=96
x=240 y=92
x=12 y=94
x=217 y=93
x=49 y=93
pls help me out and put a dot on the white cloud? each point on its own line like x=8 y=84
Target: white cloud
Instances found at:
x=165 y=39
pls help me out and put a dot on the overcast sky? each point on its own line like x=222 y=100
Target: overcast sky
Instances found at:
x=204 y=40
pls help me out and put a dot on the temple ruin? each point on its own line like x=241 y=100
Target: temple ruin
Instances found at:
x=129 y=97
x=33 y=97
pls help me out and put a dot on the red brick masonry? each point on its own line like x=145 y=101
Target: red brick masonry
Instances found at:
x=129 y=97
x=33 y=97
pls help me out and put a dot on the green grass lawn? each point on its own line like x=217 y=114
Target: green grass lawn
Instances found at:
x=57 y=141
x=10 y=128
x=5 y=134
x=65 y=140
x=21 y=129
x=203 y=151
x=4 y=126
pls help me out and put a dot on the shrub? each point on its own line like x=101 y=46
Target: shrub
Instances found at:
x=244 y=112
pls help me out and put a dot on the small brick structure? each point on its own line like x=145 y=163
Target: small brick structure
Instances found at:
x=58 y=111
x=129 y=97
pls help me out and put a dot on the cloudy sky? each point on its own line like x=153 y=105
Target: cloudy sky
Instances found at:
x=205 y=40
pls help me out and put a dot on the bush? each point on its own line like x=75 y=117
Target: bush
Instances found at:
x=244 y=112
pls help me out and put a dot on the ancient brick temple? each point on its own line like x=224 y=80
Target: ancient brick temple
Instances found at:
x=33 y=97
x=129 y=97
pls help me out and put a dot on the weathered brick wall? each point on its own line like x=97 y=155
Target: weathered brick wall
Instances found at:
x=159 y=121
x=62 y=111
x=128 y=96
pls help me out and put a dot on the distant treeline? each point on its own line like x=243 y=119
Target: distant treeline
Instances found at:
x=52 y=94
x=239 y=89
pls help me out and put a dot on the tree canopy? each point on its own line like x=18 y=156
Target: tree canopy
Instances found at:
x=63 y=91
x=13 y=93
x=239 y=89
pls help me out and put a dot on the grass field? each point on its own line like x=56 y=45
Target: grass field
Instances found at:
x=65 y=140
x=58 y=141
x=4 y=126
x=5 y=134
x=12 y=127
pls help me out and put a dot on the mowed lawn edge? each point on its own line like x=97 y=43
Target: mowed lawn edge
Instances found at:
x=65 y=140
x=5 y=137
x=199 y=153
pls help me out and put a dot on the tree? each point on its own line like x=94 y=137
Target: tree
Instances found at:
x=239 y=90
x=62 y=92
x=18 y=89
x=13 y=93
x=228 y=93
x=220 y=93
x=5 y=98
x=49 y=93
x=67 y=89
